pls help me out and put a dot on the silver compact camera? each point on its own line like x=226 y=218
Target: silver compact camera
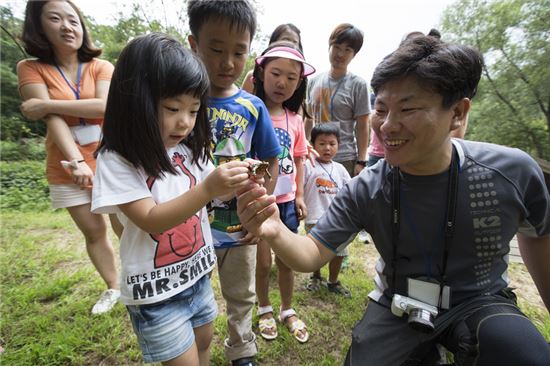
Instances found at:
x=421 y=315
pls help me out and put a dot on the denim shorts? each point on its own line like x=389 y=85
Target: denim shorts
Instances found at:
x=287 y=213
x=165 y=329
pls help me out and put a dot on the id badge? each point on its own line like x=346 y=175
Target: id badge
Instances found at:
x=86 y=134
x=428 y=291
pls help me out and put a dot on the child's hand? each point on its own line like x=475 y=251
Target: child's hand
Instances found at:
x=358 y=169
x=301 y=208
x=312 y=154
x=248 y=239
x=227 y=178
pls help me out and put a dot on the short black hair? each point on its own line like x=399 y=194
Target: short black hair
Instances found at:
x=35 y=41
x=239 y=13
x=324 y=129
x=287 y=27
x=297 y=99
x=150 y=68
x=347 y=33
x=432 y=33
x=451 y=70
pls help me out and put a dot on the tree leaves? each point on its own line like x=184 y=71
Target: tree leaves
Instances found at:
x=513 y=105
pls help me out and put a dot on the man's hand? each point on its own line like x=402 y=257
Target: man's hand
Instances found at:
x=257 y=211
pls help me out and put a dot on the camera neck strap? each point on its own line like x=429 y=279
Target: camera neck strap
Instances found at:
x=450 y=215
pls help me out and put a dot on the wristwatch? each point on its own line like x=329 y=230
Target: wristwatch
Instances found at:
x=361 y=162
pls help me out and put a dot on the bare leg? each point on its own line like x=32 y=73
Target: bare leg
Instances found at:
x=98 y=245
x=116 y=225
x=334 y=268
x=263 y=268
x=286 y=283
x=188 y=358
x=199 y=353
x=286 y=288
x=203 y=338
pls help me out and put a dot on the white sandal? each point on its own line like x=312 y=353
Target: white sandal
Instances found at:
x=267 y=324
x=297 y=327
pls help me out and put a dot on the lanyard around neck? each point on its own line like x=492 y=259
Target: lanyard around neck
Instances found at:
x=76 y=91
x=286 y=116
x=450 y=215
x=281 y=154
x=329 y=173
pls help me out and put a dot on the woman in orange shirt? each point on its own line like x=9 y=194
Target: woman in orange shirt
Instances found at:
x=66 y=87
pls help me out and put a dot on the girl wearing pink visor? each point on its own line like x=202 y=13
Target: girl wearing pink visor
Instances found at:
x=280 y=80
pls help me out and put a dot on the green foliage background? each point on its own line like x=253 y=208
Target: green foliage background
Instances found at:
x=512 y=106
x=513 y=103
x=111 y=38
x=46 y=286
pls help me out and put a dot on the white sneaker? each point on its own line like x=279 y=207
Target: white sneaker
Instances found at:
x=106 y=302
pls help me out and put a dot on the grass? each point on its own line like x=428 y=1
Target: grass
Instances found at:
x=48 y=287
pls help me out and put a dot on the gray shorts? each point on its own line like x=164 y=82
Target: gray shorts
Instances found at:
x=373 y=331
x=483 y=330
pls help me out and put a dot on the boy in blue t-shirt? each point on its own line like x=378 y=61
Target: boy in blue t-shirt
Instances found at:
x=221 y=32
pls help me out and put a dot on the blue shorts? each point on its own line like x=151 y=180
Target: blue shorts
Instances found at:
x=287 y=213
x=165 y=329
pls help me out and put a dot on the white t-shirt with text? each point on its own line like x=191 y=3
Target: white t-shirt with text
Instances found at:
x=155 y=266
